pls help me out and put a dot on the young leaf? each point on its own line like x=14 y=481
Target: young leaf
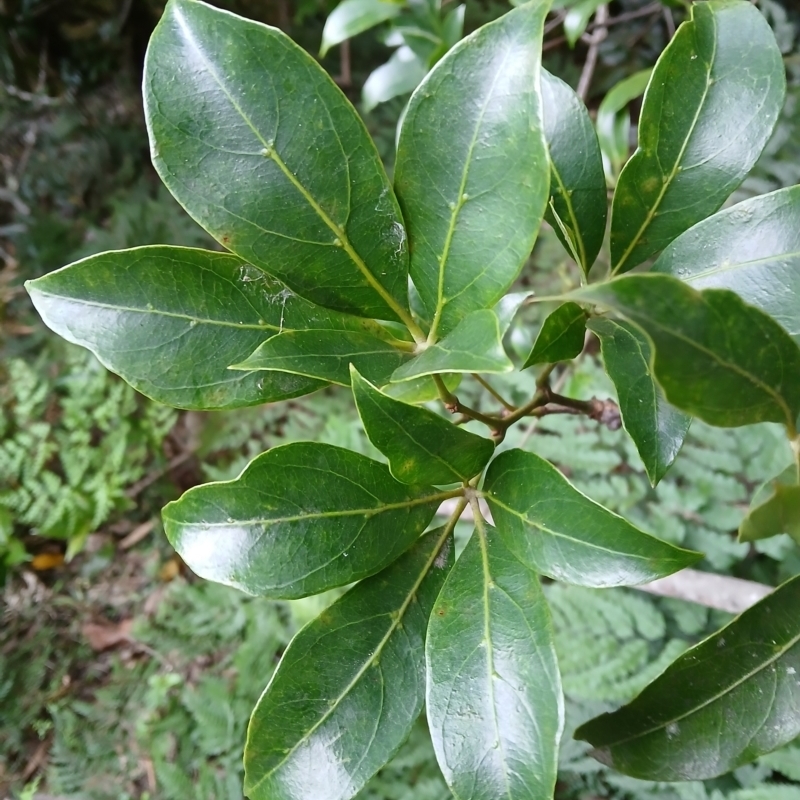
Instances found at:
x=577 y=183
x=349 y=686
x=775 y=509
x=715 y=357
x=352 y=17
x=494 y=701
x=558 y=531
x=614 y=121
x=723 y=703
x=474 y=345
x=561 y=336
x=401 y=74
x=300 y=519
x=170 y=320
x=260 y=146
x=657 y=429
x=473 y=206
x=752 y=249
x=709 y=109
x=326 y=355
x=421 y=446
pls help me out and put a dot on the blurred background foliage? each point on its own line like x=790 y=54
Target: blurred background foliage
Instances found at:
x=121 y=675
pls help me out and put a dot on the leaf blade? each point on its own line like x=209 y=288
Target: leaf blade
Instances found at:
x=312 y=199
x=720 y=360
x=752 y=249
x=294 y=546
x=775 y=509
x=656 y=428
x=384 y=618
x=577 y=183
x=352 y=17
x=558 y=531
x=721 y=77
x=560 y=337
x=473 y=213
x=669 y=732
x=494 y=699
x=421 y=446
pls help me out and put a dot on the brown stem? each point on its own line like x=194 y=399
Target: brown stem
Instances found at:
x=455 y=406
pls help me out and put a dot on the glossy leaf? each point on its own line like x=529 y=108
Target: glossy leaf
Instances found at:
x=352 y=17
x=401 y=74
x=260 y=146
x=614 y=121
x=475 y=345
x=472 y=208
x=577 y=183
x=561 y=336
x=494 y=702
x=657 y=428
x=170 y=320
x=716 y=358
x=558 y=531
x=349 y=686
x=752 y=249
x=775 y=509
x=326 y=355
x=300 y=519
x=420 y=390
x=422 y=447
x=723 y=703
x=577 y=19
x=710 y=107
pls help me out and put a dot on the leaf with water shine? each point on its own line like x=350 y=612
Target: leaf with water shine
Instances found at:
x=300 y=519
x=561 y=336
x=401 y=74
x=422 y=447
x=728 y=700
x=709 y=109
x=577 y=183
x=558 y=531
x=261 y=147
x=714 y=356
x=752 y=249
x=473 y=208
x=656 y=428
x=352 y=17
x=474 y=345
x=494 y=701
x=349 y=686
x=170 y=320
x=775 y=509
x=326 y=355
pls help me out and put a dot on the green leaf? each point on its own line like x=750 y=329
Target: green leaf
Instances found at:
x=561 y=336
x=401 y=74
x=494 y=701
x=260 y=146
x=558 y=531
x=474 y=345
x=721 y=704
x=577 y=183
x=421 y=446
x=614 y=122
x=577 y=19
x=657 y=428
x=300 y=519
x=715 y=357
x=349 y=686
x=775 y=509
x=752 y=249
x=473 y=208
x=170 y=320
x=326 y=355
x=352 y=17
x=709 y=109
